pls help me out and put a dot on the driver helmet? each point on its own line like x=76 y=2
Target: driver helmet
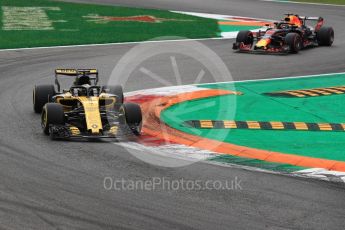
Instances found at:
x=294 y=20
x=82 y=80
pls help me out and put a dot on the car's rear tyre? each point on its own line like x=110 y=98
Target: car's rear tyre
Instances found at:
x=132 y=117
x=294 y=41
x=246 y=37
x=52 y=114
x=325 y=36
x=42 y=95
x=116 y=90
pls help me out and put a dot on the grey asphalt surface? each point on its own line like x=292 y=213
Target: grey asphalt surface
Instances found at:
x=59 y=185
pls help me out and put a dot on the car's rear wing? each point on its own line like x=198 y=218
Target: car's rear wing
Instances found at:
x=91 y=73
x=310 y=18
x=319 y=21
x=76 y=72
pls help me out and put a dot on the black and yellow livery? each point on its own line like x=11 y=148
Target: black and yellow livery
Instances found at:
x=85 y=109
x=264 y=125
x=336 y=90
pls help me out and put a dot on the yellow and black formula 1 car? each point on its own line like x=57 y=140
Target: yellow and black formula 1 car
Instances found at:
x=85 y=110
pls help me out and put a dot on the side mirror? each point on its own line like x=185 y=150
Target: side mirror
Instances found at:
x=57 y=84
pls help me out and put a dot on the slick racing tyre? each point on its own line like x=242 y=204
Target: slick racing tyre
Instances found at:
x=42 y=95
x=52 y=114
x=246 y=37
x=325 y=36
x=294 y=41
x=116 y=90
x=132 y=117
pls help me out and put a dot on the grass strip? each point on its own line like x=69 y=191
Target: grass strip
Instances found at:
x=76 y=24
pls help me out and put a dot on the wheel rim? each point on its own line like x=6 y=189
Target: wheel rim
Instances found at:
x=44 y=119
x=122 y=115
x=332 y=38
x=298 y=45
x=250 y=40
x=33 y=96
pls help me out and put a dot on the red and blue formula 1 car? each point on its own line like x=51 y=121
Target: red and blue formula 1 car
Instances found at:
x=289 y=35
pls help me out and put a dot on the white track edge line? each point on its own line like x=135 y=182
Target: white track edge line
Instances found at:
x=114 y=44
x=240 y=81
x=275 y=79
x=306 y=3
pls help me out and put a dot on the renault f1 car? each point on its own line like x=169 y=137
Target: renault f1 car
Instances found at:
x=290 y=35
x=85 y=110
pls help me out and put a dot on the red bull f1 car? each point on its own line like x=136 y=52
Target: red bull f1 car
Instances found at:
x=289 y=35
x=85 y=110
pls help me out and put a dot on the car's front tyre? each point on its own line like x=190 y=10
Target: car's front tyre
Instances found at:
x=52 y=114
x=294 y=41
x=246 y=37
x=132 y=117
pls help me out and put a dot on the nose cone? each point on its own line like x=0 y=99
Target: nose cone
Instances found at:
x=263 y=43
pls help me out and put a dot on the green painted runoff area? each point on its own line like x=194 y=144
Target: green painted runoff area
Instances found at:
x=283 y=168
x=234 y=28
x=254 y=106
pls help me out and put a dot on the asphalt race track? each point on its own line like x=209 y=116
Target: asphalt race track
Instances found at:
x=59 y=185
